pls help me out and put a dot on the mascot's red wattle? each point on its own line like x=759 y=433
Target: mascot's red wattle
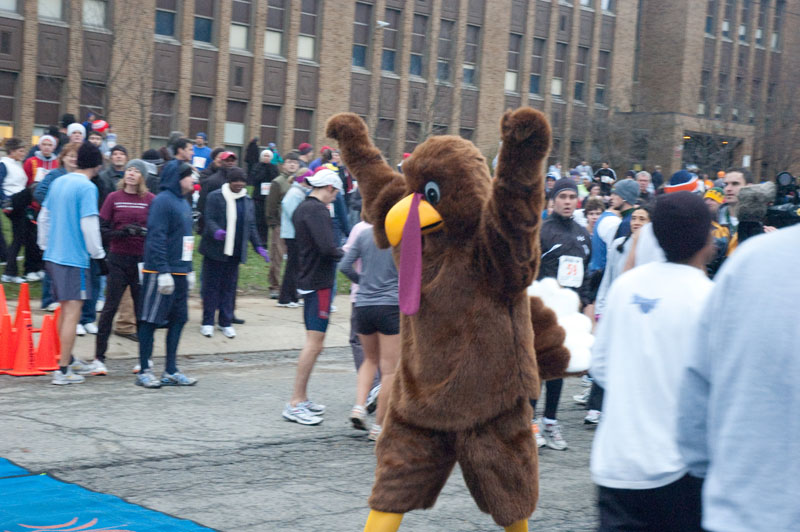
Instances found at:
x=467 y=247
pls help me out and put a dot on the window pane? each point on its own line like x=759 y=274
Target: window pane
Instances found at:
x=387 y=60
x=239 y=36
x=94 y=13
x=469 y=74
x=443 y=71
x=305 y=47
x=165 y=23
x=272 y=42
x=555 y=87
x=534 y=84
x=202 y=29
x=234 y=133
x=511 y=81
x=8 y=5
x=415 y=66
x=579 y=91
x=47 y=8
x=359 y=55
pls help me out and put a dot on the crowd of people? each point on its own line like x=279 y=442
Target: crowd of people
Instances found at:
x=111 y=234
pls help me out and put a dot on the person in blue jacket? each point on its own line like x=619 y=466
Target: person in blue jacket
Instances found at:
x=167 y=276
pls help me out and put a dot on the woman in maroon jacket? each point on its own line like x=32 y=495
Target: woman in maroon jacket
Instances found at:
x=123 y=222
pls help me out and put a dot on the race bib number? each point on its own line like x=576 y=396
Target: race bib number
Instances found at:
x=330 y=209
x=40 y=173
x=188 y=247
x=265 y=189
x=199 y=162
x=570 y=271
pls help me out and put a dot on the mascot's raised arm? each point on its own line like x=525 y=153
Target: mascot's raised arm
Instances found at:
x=467 y=248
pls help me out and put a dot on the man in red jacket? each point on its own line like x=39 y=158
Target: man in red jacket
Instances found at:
x=44 y=160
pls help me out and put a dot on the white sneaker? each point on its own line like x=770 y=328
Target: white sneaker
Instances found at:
x=33 y=277
x=537 y=433
x=52 y=307
x=99 y=305
x=374 y=432
x=91 y=328
x=229 y=331
x=12 y=279
x=137 y=368
x=334 y=308
x=95 y=367
x=66 y=378
x=592 y=417
x=207 y=330
x=291 y=304
x=80 y=330
x=553 y=437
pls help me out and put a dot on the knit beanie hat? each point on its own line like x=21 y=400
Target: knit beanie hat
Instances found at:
x=715 y=194
x=89 y=156
x=683 y=180
x=139 y=165
x=304 y=148
x=72 y=128
x=628 y=190
x=562 y=185
x=51 y=138
x=265 y=152
x=120 y=147
x=681 y=223
x=236 y=174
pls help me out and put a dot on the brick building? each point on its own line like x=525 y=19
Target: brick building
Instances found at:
x=640 y=82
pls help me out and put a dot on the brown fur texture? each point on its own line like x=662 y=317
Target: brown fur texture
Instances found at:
x=468 y=365
x=548 y=341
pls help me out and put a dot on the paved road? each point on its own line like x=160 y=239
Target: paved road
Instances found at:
x=220 y=454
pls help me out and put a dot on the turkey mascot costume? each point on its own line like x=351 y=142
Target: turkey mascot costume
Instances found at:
x=467 y=249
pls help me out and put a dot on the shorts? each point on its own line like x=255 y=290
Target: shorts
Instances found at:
x=316 y=310
x=384 y=319
x=69 y=283
x=164 y=309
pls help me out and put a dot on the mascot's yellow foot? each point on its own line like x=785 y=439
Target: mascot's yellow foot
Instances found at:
x=383 y=522
x=519 y=526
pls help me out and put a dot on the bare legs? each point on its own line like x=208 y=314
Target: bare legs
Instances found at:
x=308 y=356
x=67 y=322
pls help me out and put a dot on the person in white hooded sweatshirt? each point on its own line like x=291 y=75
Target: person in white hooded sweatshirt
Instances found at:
x=639 y=356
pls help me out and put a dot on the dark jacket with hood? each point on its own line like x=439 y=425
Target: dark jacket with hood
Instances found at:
x=168 y=224
x=564 y=237
x=216 y=218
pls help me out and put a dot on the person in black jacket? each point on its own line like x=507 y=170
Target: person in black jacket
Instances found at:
x=262 y=176
x=229 y=224
x=319 y=251
x=566 y=249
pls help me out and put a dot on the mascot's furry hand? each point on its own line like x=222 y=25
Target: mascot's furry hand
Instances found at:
x=577 y=327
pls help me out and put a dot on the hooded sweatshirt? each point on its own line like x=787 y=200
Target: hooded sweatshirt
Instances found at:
x=170 y=241
x=38 y=166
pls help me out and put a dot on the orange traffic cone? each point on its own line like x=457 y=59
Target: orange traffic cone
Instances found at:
x=23 y=305
x=25 y=363
x=7 y=353
x=3 y=305
x=46 y=354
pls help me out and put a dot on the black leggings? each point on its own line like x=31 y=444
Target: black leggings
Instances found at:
x=552 y=396
x=123 y=272
x=289 y=284
x=595 y=397
x=24 y=231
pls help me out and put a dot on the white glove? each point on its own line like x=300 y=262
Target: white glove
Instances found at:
x=166 y=285
x=191 y=280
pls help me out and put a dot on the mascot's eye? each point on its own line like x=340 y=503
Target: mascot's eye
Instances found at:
x=432 y=193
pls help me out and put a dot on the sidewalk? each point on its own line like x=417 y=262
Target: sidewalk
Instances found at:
x=267 y=327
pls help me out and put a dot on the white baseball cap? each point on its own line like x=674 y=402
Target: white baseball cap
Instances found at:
x=324 y=178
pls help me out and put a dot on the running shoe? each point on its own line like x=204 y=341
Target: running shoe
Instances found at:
x=80 y=330
x=583 y=397
x=374 y=433
x=177 y=379
x=91 y=328
x=358 y=417
x=33 y=277
x=540 y=442
x=290 y=304
x=592 y=417
x=553 y=437
x=300 y=415
x=207 y=330
x=12 y=279
x=95 y=367
x=137 y=368
x=52 y=307
x=66 y=378
x=146 y=379
x=312 y=407
x=228 y=332
x=372 y=398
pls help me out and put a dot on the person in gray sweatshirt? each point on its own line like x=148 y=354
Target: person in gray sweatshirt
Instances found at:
x=377 y=322
x=739 y=403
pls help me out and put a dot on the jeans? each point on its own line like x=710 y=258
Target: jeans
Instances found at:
x=219 y=290
x=47 y=291
x=89 y=310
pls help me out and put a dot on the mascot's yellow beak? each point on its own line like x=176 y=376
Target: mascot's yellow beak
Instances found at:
x=429 y=219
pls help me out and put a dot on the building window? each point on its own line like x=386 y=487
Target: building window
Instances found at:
x=239 y=37
x=418 y=32
x=94 y=13
x=273 y=35
x=777 y=23
x=270 y=123
x=722 y=95
x=607 y=5
x=361 y=33
x=413 y=136
x=51 y=9
x=8 y=5
x=559 y=70
x=581 y=72
x=93 y=97
x=384 y=135
x=744 y=20
x=307 y=39
x=763 y=7
x=303 y=123
x=711 y=17
x=161 y=114
x=512 y=63
x=47 y=108
x=166 y=18
x=603 y=63
x=755 y=99
x=727 y=17
x=235 y=129
x=705 y=80
x=587 y=3
x=200 y=116
x=204 y=21
x=390 y=37
x=8 y=89
x=537 y=65
x=471 y=48
x=447 y=37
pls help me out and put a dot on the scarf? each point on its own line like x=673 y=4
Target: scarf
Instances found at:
x=230 y=216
